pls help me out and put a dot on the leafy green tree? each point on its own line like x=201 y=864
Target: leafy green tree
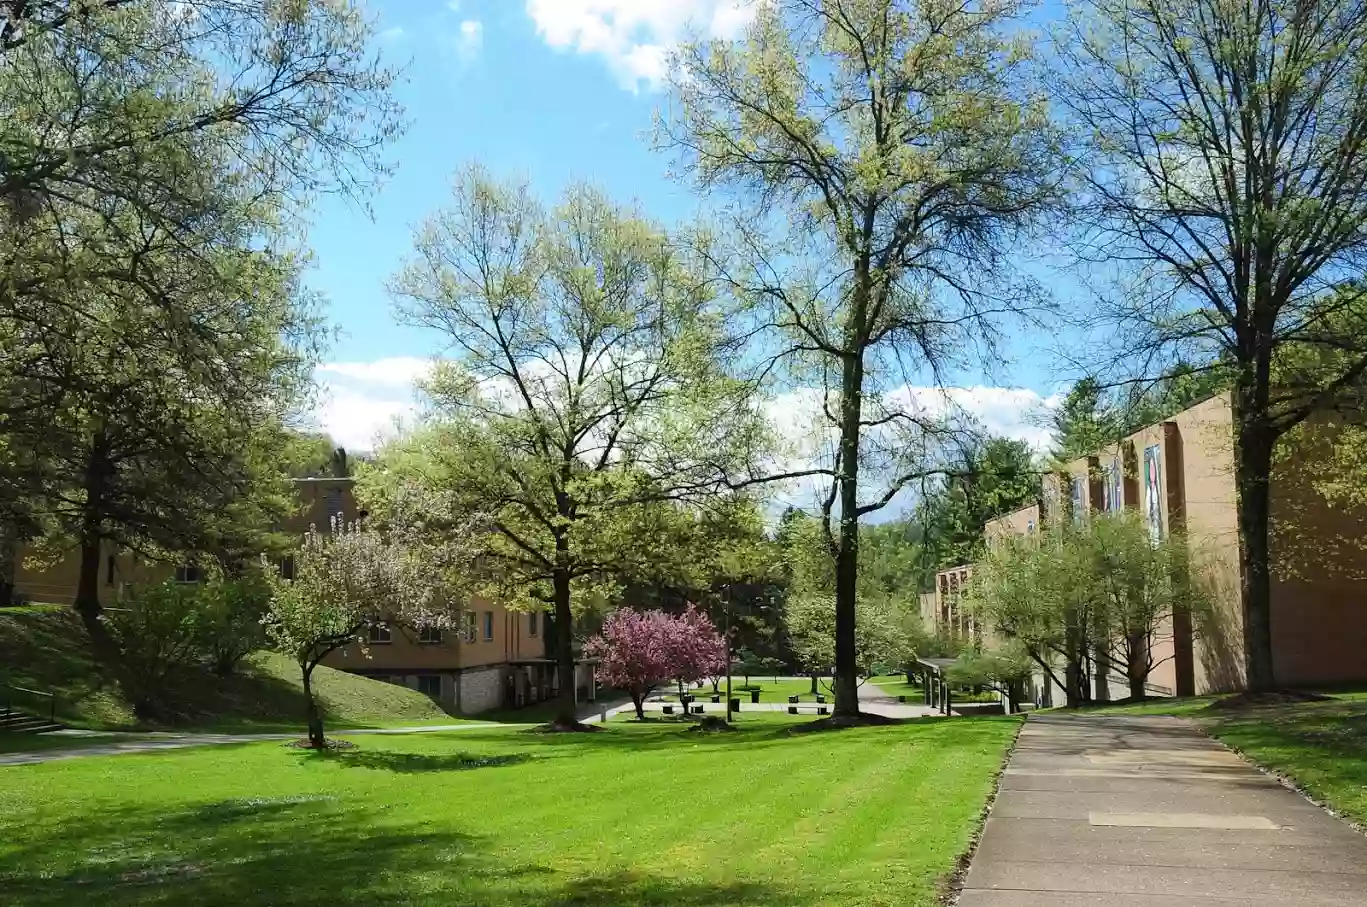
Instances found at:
x=1142 y=589
x=1101 y=590
x=1004 y=670
x=885 y=629
x=1226 y=148
x=900 y=150
x=153 y=329
x=586 y=397
x=1035 y=592
x=992 y=478
x=1086 y=421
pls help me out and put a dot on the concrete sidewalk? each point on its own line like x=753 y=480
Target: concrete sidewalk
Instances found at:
x=1149 y=812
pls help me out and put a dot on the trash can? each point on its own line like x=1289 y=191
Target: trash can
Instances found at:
x=735 y=705
x=754 y=697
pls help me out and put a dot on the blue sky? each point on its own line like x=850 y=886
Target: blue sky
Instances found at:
x=554 y=90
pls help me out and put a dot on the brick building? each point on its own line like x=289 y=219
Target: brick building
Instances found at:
x=1179 y=474
x=495 y=658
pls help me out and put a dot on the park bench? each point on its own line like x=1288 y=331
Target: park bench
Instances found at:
x=819 y=708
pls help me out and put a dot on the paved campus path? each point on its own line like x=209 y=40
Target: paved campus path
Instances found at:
x=1149 y=812
x=871 y=699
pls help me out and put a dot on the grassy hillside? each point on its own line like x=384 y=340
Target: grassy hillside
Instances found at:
x=44 y=647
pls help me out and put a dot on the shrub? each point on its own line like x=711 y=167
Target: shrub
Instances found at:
x=159 y=634
x=231 y=611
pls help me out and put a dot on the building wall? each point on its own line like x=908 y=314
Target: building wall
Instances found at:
x=1319 y=576
x=479 y=690
x=1025 y=521
x=512 y=640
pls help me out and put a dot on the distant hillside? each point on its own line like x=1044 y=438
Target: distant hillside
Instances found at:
x=44 y=647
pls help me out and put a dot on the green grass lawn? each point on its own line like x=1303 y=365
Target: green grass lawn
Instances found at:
x=896 y=685
x=651 y=814
x=769 y=689
x=1322 y=746
x=44 y=647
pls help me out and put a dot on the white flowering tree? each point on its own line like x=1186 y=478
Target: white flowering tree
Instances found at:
x=359 y=576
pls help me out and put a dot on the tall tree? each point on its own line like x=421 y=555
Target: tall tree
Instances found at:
x=993 y=476
x=586 y=392
x=152 y=329
x=1228 y=144
x=899 y=152
x=1086 y=421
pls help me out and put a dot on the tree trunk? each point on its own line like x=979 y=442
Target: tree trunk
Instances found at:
x=814 y=689
x=87 y=600
x=315 y=716
x=847 y=548
x=566 y=709
x=1072 y=684
x=1253 y=463
x=9 y=552
x=1137 y=666
x=638 y=700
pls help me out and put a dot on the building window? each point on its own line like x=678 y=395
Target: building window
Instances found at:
x=109 y=570
x=287 y=567
x=532 y=621
x=1153 y=491
x=188 y=573
x=380 y=635
x=334 y=505
x=430 y=685
x=469 y=626
x=1114 y=499
x=488 y=625
x=1077 y=499
x=429 y=635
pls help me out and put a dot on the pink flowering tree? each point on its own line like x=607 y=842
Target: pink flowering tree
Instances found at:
x=697 y=650
x=640 y=650
x=634 y=653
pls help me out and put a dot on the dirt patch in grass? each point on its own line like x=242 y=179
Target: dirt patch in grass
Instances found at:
x=330 y=744
x=566 y=727
x=711 y=724
x=841 y=722
x=1243 y=701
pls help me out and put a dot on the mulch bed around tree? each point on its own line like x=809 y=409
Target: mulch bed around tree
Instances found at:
x=711 y=724
x=840 y=722
x=1241 y=701
x=560 y=727
x=329 y=744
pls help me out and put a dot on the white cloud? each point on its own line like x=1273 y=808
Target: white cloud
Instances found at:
x=1009 y=412
x=396 y=371
x=364 y=402
x=809 y=440
x=635 y=37
x=394 y=34
x=361 y=403
x=467 y=42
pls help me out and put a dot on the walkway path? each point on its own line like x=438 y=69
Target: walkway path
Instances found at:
x=1149 y=812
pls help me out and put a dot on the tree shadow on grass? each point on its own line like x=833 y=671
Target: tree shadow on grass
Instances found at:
x=419 y=762
x=316 y=852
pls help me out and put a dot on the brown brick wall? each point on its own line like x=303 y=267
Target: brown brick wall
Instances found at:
x=1319 y=577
